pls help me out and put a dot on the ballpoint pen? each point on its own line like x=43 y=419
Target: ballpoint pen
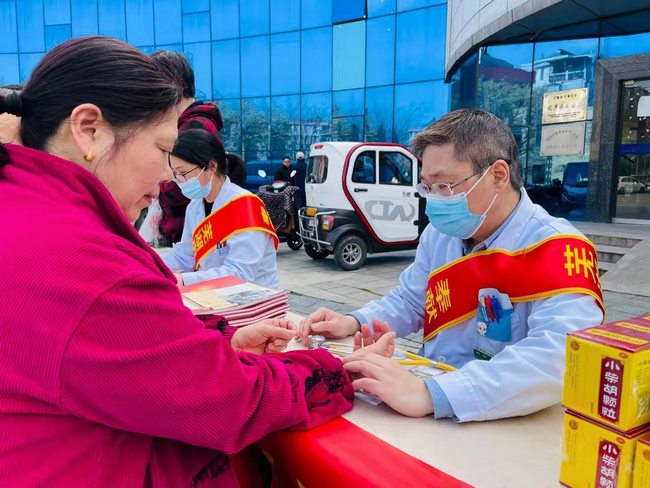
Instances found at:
x=415 y=360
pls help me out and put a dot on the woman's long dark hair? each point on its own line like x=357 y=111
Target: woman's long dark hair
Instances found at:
x=199 y=147
x=126 y=84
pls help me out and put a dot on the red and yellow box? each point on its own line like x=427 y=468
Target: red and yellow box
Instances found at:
x=596 y=456
x=641 y=478
x=607 y=376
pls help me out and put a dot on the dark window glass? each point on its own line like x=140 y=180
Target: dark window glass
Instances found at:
x=349 y=61
x=200 y=58
x=139 y=22
x=316 y=61
x=196 y=27
x=380 y=7
x=380 y=65
x=416 y=106
x=285 y=63
x=31 y=30
x=285 y=126
x=112 y=20
x=8 y=29
x=231 y=132
x=463 y=84
x=316 y=13
x=411 y=4
x=395 y=169
x=56 y=34
x=56 y=11
x=255 y=71
x=225 y=69
x=420 y=49
x=348 y=102
x=27 y=63
x=347 y=129
x=254 y=17
x=255 y=128
x=285 y=15
x=344 y=10
x=504 y=80
x=169 y=22
x=379 y=114
x=613 y=47
x=192 y=6
x=363 y=170
x=317 y=169
x=9 y=69
x=225 y=19
x=316 y=118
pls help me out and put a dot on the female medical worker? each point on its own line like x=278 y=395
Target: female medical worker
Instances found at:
x=227 y=229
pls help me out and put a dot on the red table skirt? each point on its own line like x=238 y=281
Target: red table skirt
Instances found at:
x=336 y=454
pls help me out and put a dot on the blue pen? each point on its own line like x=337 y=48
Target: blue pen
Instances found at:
x=496 y=308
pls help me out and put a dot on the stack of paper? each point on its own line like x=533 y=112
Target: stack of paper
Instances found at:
x=239 y=302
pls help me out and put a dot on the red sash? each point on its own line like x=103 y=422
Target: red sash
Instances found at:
x=557 y=265
x=242 y=213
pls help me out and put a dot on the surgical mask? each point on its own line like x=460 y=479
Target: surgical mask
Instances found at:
x=451 y=215
x=193 y=189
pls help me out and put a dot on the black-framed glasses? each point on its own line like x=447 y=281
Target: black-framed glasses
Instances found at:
x=179 y=177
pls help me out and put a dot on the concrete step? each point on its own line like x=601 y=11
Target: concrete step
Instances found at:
x=610 y=254
x=604 y=267
x=611 y=240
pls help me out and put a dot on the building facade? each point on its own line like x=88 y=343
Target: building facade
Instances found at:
x=286 y=73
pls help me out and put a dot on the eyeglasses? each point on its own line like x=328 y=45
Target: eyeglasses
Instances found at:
x=446 y=189
x=179 y=177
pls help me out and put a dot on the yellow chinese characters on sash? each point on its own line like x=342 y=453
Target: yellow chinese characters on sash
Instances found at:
x=557 y=265
x=241 y=214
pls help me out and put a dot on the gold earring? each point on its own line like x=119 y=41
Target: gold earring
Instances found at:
x=89 y=156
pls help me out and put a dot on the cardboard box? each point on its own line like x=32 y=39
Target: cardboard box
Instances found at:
x=641 y=477
x=596 y=456
x=607 y=375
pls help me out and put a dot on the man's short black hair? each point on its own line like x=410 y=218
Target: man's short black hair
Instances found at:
x=178 y=65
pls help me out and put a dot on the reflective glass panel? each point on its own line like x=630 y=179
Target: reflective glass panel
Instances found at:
x=112 y=20
x=192 y=6
x=316 y=118
x=317 y=169
x=463 y=84
x=9 y=74
x=380 y=7
x=363 y=170
x=316 y=61
x=285 y=15
x=225 y=19
x=395 y=169
x=27 y=63
x=411 y=4
x=169 y=22
x=31 y=30
x=379 y=114
x=416 y=106
x=8 y=28
x=347 y=129
x=84 y=18
x=380 y=64
x=348 y=102
x=254 y=17
x=255 y=71
x=225 y=69
x=139 y=22
x=255 y=129
x=613 y=47
x=285 y=63
x=196 y=27
x=200 y=57
x=420 y=49
x=349 y=61
x=285 y=125
x=56 y=34
x=316 y=13
x=56 y=11
x=231 y=132
x=345 y=10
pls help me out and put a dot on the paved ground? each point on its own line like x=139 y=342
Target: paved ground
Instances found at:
x=314 y=284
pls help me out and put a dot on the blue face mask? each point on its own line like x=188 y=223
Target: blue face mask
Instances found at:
x=193 y=189
x=451 y=215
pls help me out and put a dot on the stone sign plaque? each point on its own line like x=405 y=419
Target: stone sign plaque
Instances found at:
x=563 y=139
x=565 y=106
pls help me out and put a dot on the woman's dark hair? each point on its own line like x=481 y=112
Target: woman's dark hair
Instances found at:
x=126 y=84
x=199 y=147
x=179 y=67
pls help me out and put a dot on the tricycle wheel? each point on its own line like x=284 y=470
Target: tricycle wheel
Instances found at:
x=350 y=253
x=314 y=253
x=294 y=241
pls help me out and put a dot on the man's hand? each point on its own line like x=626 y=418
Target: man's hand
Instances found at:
x=392 y=383
x=270 y=335
x=329 y=324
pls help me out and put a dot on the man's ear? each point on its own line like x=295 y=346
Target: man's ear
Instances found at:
x=90 y=132
x=501 y=174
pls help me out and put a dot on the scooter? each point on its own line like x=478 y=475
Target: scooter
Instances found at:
x=279 y=198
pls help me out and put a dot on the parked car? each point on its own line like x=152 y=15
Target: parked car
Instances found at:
x=574 y=190
x=629 y=184
x=255 y=169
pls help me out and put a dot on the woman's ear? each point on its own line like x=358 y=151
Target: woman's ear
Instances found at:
x=91 y=133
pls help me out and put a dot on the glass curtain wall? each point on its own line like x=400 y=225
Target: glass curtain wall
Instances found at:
x=285 y=73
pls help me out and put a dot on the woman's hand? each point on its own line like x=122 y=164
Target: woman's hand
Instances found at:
x=179 y=279
x=364 y=337
x=270 y=335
